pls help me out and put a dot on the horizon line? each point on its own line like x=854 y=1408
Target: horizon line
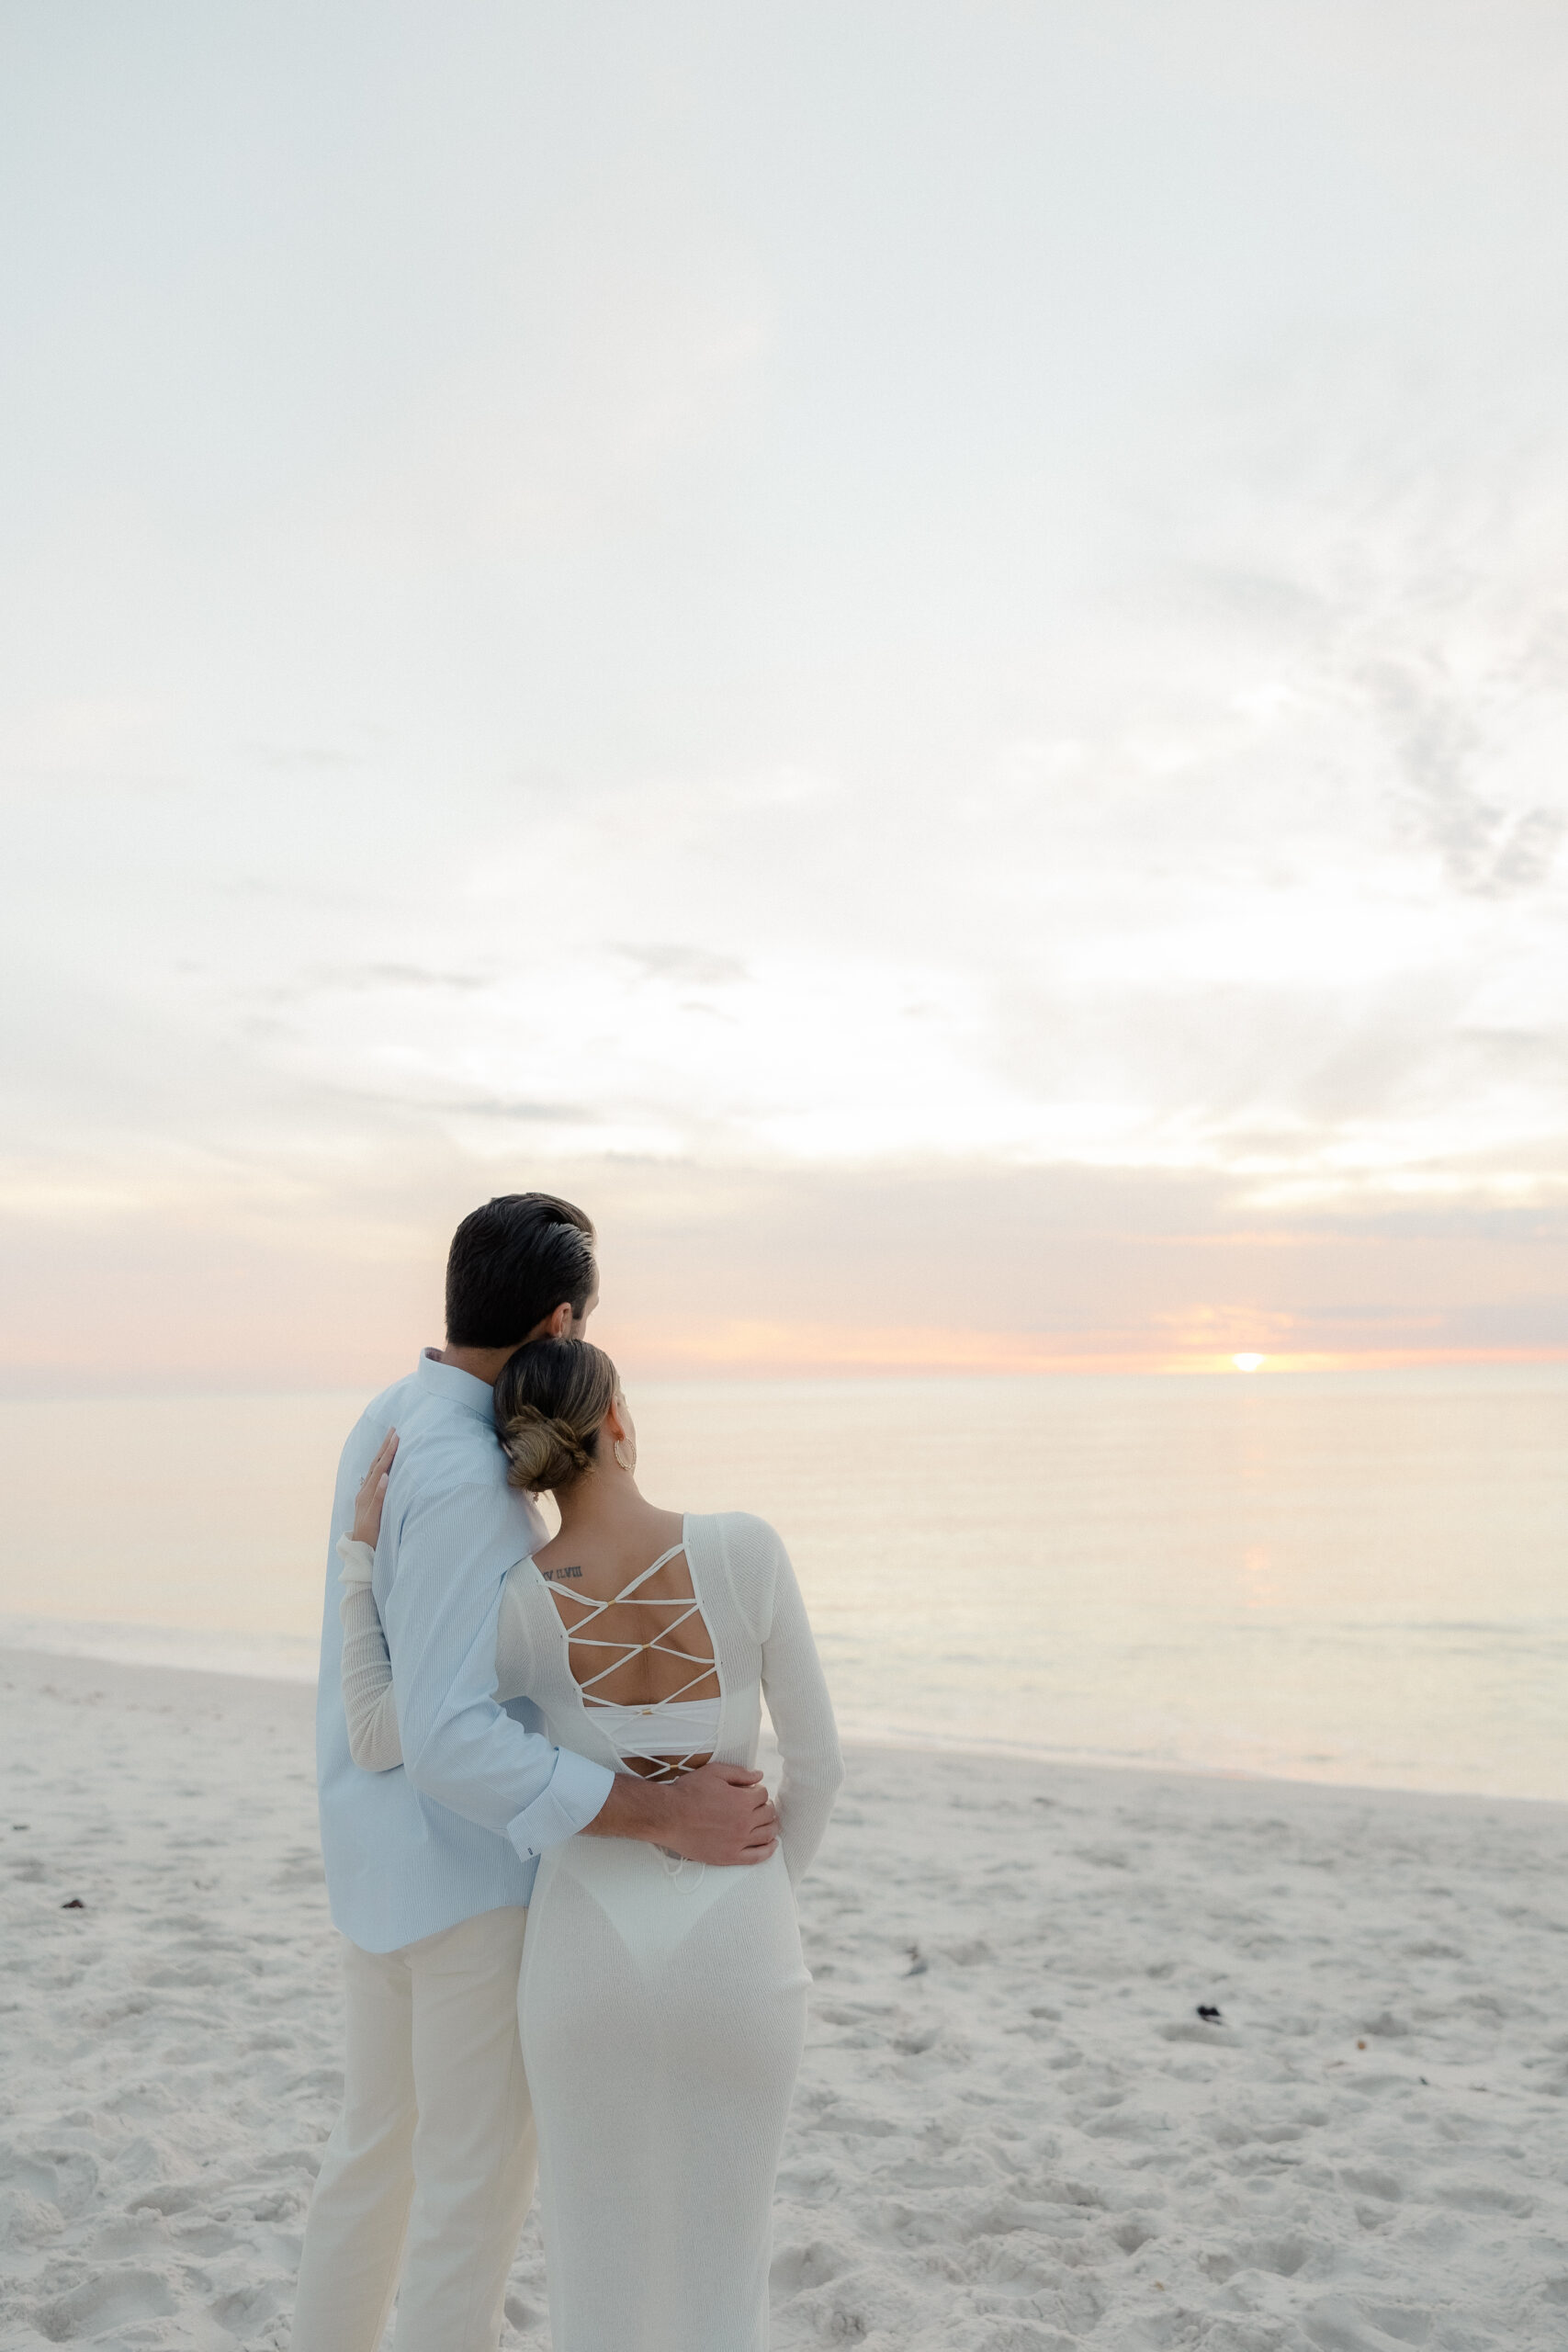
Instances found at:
x=47 y=1385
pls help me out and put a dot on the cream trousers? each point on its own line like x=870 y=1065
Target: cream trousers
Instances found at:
x=433 y=2153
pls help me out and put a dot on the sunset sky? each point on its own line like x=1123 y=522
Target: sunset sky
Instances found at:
x=919 y=650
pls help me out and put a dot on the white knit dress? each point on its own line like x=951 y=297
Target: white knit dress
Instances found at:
x=663 y=2005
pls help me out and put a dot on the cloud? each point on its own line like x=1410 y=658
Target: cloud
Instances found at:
x=973 y=1268
x=308 y=756
x=694 y=965
x=1013 y=676
x=1487 y=850
x=398 y=976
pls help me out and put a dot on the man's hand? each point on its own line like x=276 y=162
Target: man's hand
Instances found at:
x=720 y=1813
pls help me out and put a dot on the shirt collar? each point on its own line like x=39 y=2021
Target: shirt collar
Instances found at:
x=459 y=1388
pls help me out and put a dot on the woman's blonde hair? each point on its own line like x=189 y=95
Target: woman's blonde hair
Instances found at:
x=550 y=1401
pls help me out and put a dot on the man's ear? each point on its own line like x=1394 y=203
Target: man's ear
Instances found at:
x=560 y=1322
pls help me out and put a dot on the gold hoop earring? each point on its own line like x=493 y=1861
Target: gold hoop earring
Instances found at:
x=620 y=1451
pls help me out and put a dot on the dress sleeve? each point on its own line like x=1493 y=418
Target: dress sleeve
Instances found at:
x=368 y=1700
x=797 y=1693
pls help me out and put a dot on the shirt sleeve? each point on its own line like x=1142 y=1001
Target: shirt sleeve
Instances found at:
x=796 y=1691
x=459 y=1746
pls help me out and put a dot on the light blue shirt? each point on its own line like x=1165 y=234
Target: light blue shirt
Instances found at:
x=460 y=1827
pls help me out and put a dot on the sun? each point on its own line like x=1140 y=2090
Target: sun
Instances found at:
x=1248 y=1363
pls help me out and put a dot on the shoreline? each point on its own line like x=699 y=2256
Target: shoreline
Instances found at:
x=114 y=1662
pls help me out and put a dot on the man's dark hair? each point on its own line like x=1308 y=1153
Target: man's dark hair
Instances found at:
x=513 y=1262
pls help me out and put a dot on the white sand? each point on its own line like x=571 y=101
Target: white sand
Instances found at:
x=1023 y=2139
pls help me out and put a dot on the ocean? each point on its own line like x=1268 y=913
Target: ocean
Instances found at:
x=1357 y=1577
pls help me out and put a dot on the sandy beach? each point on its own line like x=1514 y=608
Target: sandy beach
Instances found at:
x=1014 y=2132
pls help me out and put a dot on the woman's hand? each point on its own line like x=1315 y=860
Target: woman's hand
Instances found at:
x=372 y=1493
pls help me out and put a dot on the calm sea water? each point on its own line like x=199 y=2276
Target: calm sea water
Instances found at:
x=1358 y=1577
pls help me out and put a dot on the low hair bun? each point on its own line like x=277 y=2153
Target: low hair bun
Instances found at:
x=550 y=1401
x=542 y=1453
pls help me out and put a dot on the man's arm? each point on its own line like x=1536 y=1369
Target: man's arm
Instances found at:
x=459 y=1745
x=462 y=1749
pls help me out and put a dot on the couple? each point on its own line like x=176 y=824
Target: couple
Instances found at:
x=566 y=1728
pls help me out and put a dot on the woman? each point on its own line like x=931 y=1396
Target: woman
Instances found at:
x=663 y=2005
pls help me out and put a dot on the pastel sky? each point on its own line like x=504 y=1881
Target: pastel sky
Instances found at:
x=920 y=650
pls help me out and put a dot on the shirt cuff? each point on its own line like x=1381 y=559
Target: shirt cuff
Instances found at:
x=575 y=1793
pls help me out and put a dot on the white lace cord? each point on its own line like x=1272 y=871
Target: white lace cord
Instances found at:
x=674 y=1866
x=671 y=1763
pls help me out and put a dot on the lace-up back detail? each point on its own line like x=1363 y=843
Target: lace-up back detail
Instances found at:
x=659 y=1737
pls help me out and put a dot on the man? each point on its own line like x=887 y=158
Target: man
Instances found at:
x=430 y=1867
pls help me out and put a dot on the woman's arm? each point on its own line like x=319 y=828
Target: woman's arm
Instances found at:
x=369 y=1701
x=797 y=1693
